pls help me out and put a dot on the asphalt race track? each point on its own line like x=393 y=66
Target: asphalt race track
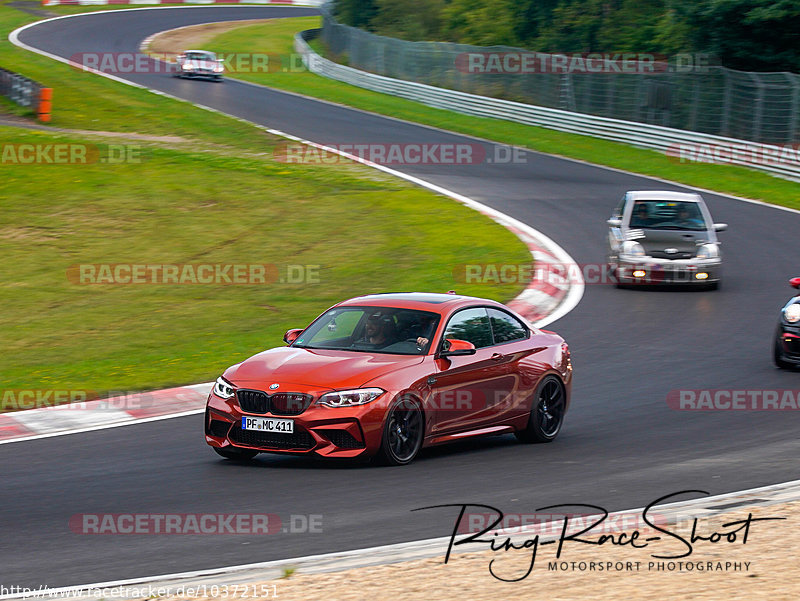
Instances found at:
x=621 y=447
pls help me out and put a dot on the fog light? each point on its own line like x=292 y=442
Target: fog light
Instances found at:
x=639 y=273
x=702 y=275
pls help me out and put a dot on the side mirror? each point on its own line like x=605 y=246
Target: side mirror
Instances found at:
x=291 y=335
x=614 y=222
x=720 y=227
x=794 y=282
x=453 y=347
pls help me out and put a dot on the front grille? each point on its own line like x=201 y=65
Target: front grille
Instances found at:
x=289 y=403
x=280 y=403
x=342 y=439
x=300 y=439
x=660 y=254
x=253 y=401
x=217 y=427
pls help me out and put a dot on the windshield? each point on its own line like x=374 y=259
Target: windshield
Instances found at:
x=667 y=215
x=372 y=329
x=201 y=56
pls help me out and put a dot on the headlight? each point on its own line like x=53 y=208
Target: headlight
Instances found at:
x=792 y=313
x=223 y=389
x=632 y=249
x=218 y=69
x=186 y=66
x=708 y=251
x=350 y=398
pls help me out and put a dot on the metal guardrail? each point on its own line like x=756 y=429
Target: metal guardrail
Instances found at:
x=684 y=91
x=21 y=90
x=783 y=161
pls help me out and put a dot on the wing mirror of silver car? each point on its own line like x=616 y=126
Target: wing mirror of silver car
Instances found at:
x=720 y=227
x=614 y=222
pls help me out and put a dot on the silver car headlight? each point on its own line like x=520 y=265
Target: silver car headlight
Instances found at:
x=223 y=389
x=186 y=66
x=708 y=251
x=350 y=398
x=632 y=249
x=792 y=313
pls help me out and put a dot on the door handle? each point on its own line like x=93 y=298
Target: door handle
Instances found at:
x=498 y=357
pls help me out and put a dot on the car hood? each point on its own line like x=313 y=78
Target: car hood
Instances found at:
x=683 y=241
x=320 y=369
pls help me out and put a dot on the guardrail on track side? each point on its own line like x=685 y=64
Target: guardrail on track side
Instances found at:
x=782 y=161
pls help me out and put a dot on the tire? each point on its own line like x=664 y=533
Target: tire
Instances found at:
x=235 y=454
x=403 y=433
x=777 y=355
x=547 y=412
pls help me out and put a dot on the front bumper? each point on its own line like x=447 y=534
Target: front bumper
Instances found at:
x=788 y=341
x=345 y=432
x=648 y=270
x=201 y=73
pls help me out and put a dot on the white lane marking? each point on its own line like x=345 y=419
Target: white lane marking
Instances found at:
x=131 y=422
x=35 y=418
x=40 y=420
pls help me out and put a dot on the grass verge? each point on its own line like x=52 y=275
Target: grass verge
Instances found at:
x=202 y=189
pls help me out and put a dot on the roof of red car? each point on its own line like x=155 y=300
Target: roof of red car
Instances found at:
x=424 y=301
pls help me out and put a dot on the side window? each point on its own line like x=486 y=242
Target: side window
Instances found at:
x=471 y=325
x=620 y=208
x=506 y=327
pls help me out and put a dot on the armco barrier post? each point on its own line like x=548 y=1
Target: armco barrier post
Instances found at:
x=45 y=104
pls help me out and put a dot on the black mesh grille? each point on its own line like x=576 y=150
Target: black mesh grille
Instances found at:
x=660 y=254
x=289 y=403
x=253 y=401
x=218 y=427
x=300 y=439
x=342 y=439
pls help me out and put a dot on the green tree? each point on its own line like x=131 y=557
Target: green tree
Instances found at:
x=409 y=19
x=480 y=22
x=761 y=35
x=357 y=13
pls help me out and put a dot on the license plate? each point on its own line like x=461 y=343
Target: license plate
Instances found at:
x=266 y=424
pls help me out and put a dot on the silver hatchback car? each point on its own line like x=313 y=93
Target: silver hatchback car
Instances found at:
x=659 y=237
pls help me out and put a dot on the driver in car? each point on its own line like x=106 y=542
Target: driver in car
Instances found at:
x=641 y=216
x=684 y=218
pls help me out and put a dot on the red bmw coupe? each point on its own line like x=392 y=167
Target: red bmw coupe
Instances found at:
x=388 y=374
